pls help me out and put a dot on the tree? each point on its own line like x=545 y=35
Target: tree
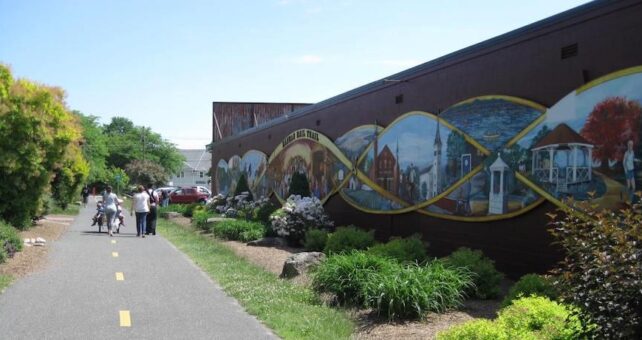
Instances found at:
x=612 y=123
x=146 y=172
x=94 y=147
x=37 y=133
x=127 y=142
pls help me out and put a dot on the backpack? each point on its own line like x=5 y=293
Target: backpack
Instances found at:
x=152 y=197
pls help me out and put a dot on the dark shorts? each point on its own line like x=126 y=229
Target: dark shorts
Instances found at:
x=629 y=174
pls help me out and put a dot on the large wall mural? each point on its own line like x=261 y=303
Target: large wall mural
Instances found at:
x=486 y=158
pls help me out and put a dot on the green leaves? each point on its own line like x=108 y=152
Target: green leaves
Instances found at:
x=39 y=142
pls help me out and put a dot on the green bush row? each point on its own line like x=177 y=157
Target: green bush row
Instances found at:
x=238 y=230
x=346 y=239
x=532 y=317
x=10 y=241
x=396 y=290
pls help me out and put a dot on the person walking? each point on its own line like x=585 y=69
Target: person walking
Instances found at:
x=140 y=205
x=153 y=210
x=85 y=195
x=110 y=204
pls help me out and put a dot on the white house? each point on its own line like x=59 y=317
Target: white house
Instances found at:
x=195 y=168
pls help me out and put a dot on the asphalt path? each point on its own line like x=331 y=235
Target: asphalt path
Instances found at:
x=162 y=293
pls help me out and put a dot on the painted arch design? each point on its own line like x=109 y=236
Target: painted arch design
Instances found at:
x=485 y=158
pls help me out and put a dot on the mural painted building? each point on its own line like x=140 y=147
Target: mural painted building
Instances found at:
x=549 y=111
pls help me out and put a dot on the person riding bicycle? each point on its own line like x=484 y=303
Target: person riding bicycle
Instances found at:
x=100 y=210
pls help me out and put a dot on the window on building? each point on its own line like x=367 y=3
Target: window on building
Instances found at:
x=182 y=174
x=200 y=174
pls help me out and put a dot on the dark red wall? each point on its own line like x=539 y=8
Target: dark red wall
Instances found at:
x=527 y=65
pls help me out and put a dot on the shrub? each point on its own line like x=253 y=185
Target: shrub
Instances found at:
x=531 y=284
x=485 y=276
x=315 y=240
x=10 y=241
x=601 y=270
x=479 y=329
x=413 y=290
x=189 y=209
x=263 y=210
x=409 y=249
x=199 y=218
x=347 y=239
x=298 y=215
x=527 y=318
x=538 y=317
x=238 y=230
x=346 y=275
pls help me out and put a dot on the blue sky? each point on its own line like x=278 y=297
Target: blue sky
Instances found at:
x=162 y=63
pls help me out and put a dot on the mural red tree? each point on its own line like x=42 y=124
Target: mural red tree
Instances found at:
x=613 y=122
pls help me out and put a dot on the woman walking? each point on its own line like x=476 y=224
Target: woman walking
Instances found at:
x=110 y=204
x=140 y=205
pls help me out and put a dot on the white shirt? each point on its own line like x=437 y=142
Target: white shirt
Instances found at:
x=141 y=202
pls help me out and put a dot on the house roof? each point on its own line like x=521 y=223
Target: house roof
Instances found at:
x=561 y=134
x=197 y=159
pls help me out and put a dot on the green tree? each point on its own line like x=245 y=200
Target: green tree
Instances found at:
x=94 y=148
x=36 y=134
x=146 y=172
x=128 y=143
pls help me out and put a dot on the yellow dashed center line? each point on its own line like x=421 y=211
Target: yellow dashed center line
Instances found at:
x=120 y=276
x=114 y=254
x=113 y=241
x=125 y=319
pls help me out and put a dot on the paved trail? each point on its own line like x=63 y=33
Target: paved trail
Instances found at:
x=162 y=293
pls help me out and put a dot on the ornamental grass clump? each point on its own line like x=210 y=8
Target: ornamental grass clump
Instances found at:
x=349 y=238
x=413 y=289
x=298 y=215
x=388 y=287
x=601 y=271
x=346 y=275
x=485 y=276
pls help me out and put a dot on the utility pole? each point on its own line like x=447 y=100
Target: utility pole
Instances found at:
x=143 y=141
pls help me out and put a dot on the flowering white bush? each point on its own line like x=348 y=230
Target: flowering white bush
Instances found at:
x=298 y=215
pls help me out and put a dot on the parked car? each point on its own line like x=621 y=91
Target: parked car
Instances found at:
x=188 y=195
x=204 y=190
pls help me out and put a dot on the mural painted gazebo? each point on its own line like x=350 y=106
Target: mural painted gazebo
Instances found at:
x=498 y=196
x=549 y=152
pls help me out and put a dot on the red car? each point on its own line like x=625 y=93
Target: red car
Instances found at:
x=188 y=195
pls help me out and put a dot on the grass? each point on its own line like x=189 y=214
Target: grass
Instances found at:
x=72 y=209
x=5 y=281
x=291 y=311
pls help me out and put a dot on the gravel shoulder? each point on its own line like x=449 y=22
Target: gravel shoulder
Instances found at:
x=32 y=259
